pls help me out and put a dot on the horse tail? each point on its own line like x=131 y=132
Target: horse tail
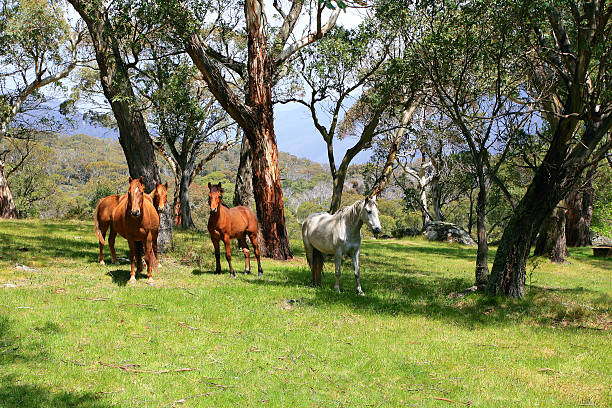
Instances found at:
x=317 y=266
x=97 y=230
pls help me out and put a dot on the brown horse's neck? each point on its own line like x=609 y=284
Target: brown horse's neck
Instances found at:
x=221 y=213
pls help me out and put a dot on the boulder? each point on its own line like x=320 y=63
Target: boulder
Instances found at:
x=447 y=232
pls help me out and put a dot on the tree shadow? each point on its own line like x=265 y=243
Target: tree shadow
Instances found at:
x=15 y=394
x=419 y=292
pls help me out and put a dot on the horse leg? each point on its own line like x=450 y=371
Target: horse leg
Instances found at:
x=111 y=244
x=139 y=254
x=101 y=255
x=317 y=266
x=338 y=268
x=228 y=253
x=133 y=255
x=253 y=238
x=356 y=265
x=247 y=254
x=217 y=256
x=150 y=257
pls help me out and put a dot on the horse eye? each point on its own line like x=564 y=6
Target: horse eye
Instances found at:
x=369 y=211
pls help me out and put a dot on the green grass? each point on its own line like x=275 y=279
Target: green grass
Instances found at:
x=276 y=342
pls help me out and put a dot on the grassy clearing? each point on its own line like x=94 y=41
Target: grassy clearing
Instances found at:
x=72 y=333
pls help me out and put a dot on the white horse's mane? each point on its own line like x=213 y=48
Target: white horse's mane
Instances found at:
x=352 y=211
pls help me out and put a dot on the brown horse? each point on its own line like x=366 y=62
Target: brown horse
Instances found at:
x=135 y=219
x=104 y=211
x=227 y=223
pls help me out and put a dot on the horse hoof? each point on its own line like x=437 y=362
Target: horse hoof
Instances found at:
x=132 y=281
x=247 y=272
x=260 y=274
x=361 y=293
x=150 y=282
x=102 y=262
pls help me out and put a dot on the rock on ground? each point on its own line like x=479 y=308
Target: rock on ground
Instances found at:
x=447 y=232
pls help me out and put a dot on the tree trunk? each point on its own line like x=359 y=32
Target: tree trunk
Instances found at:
x=542 y=196
x=133 y=134
x=579 y=214
x=176 y=203
x=551 y=239
x=7 y=204
x=337 y=189
x=185 y=214
x=423 y=201
x=243 y=191
x=482 y=255
x=436 y=197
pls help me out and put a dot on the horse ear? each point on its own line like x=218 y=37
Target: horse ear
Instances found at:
x=209 y=186
x=220 y=188
x=373 y=197
x=130 y=179
x=141 y=179
x=166 y=184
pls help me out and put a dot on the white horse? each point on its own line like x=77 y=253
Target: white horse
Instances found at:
x=338 y=234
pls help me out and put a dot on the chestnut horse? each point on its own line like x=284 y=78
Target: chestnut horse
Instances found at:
x=103 y=217
x=227 y=223
x=135 y=219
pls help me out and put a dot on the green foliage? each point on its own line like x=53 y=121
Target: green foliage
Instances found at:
x=100 y=192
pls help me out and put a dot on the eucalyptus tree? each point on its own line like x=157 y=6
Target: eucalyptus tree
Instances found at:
x=342 y=72
x=189 y=127
x=257 y=51
x=116 y=33
x=470 y=58
x=567 y=55
x=38 y=47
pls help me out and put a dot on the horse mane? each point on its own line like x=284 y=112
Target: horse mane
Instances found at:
x=352 y=211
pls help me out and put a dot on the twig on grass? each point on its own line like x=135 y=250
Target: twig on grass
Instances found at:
x=144 y=305
x=187 y=326
x=218 y=385
x=133 y=370
x=215 y=360
x=450 y=400
x=183 y=400
x=94 y=299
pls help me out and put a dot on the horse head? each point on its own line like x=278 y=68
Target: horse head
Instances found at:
x=369 y=214
x=215 y=195
x=135 y=197
x=160 y=195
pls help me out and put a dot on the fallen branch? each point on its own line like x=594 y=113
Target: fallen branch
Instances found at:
x=183 y=400
x=189 y=327
x=218 y=385
x=152 y=307
x=93 y=299
x=133 y=370
x=450 y=400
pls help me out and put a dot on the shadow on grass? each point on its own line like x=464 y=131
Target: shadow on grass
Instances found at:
x=15 y=394
x=416 y=292
x=122 y=276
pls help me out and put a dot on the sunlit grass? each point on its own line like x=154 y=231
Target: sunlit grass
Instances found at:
x=68 y=326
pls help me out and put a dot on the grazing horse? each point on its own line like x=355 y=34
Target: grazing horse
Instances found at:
x=135 y=219
x=338 y=234
x=104 y=211
x=227 y=223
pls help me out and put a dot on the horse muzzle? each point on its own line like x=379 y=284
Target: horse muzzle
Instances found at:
x=377 y=230
x=214 y=210
x=135 y=213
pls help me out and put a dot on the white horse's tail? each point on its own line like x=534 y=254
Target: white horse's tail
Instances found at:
x=317 y=266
